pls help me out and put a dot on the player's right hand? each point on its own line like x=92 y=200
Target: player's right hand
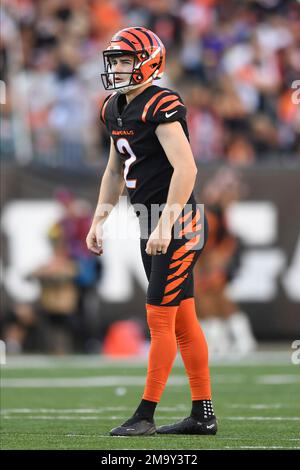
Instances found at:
x=94 y=239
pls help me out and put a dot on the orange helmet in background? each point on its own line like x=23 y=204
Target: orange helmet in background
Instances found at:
x=149 y=58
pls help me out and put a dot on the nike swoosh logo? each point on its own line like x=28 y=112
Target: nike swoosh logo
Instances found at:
x=170 y=114
x=211 y=426
x=130 y=429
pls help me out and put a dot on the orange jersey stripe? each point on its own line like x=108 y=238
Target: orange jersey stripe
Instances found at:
x=197 y=217
x=184 y=266
x=185 y=217
x=193 y=226
x=175 y=264
x=150 y=102
x=191 y=243
x=180 y=270
x=172 y=106
x=189 y=257
x=189 y=230
x=169 y=298
x=164 y=100
x=179 y=253
x=172 y=285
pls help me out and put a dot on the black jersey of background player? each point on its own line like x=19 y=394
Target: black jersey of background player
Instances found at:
x=147 y=170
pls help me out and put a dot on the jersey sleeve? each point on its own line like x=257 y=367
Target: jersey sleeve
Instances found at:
x=165 y=106
x=103 y=109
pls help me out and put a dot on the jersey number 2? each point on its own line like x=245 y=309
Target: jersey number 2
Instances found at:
x=125 y=149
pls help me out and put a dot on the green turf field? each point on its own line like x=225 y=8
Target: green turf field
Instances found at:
x=72 y=403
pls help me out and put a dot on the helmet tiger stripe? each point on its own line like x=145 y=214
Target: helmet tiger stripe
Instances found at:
x=149 y=53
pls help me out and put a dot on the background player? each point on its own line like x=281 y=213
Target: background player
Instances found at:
x=151 y=155
x=226 y=326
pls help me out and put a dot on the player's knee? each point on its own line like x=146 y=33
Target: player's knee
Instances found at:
x=161 y=318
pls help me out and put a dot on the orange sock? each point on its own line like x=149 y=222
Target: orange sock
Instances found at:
x=163 y=349
x=193 y=349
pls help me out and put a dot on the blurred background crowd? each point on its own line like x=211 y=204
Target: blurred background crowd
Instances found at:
x=236 y=64
x=233 y=61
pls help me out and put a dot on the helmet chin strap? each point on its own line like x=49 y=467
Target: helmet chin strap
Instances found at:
x=128 y=88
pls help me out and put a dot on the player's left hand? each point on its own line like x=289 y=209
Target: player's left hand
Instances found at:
x=158 y=242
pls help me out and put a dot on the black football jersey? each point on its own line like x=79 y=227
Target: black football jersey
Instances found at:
x=147 y=170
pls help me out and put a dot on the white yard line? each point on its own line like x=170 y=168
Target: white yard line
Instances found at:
x=282 y=357
x=108 y=409
x=86 y=418
x=230 y=418
x=261 y=406
x=181 y=437
x=108 y=381
x=57 y=410
x=263 y=418
x=85 y=410
x=117 y=380
x=279 y=379
x=261 y=447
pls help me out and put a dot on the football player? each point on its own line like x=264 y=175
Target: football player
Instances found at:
x=150 y=154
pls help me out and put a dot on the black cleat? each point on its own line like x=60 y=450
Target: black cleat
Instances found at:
x=135 y=427
x=190 y=425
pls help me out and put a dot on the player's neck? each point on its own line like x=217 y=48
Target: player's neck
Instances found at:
x=133 y=93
